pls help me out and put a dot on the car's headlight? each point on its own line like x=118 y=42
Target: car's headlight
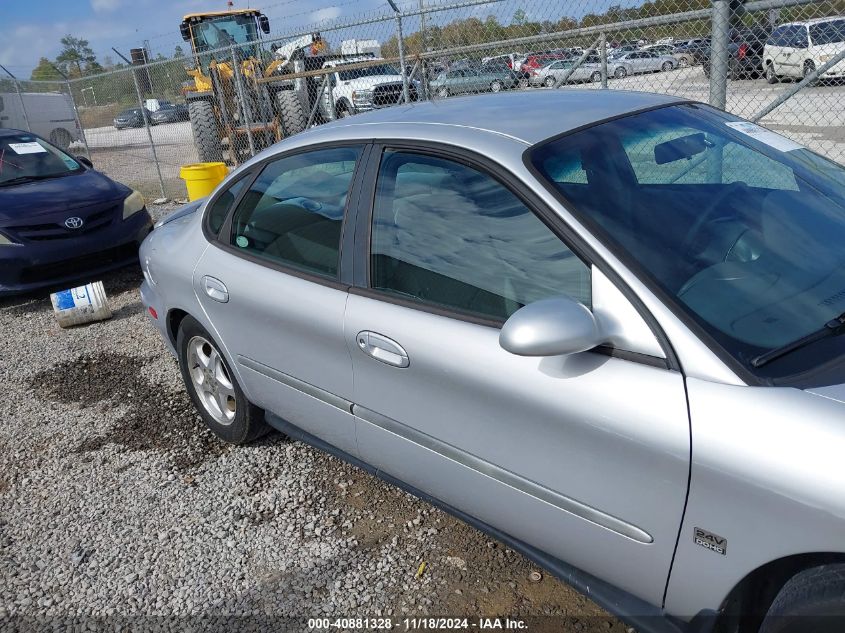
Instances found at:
x=362 y=95
x=133 y=203
x=825 y=58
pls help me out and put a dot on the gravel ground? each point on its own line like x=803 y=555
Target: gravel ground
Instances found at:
x=115 y=502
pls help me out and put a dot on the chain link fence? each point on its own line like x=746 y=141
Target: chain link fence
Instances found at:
x=242 y=87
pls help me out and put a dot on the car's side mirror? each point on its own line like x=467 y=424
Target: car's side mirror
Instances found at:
x=550 y=327
x=85 y=161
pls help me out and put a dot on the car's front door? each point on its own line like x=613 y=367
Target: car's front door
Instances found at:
x=583 y=456
x=272 y=289
x=653 y=60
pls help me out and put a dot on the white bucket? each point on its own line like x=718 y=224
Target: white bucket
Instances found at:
x=81 y=305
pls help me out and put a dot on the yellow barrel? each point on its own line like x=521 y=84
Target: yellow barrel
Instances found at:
x=202 y=178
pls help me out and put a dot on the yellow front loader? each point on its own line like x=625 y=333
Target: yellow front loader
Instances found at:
x=231 y=112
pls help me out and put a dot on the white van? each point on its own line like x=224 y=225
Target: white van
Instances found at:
x=798 y=48
x=50 y=115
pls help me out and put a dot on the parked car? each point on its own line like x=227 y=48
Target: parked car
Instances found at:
x=551 y=74
x=501 y=66
x=60 y=219
x=170 y=113
x=622 y=49
x=799 y=48
x=536 y=61
x=745 y=53
x=470 y=80
x=133 y=117
x=48 y=114
x=691 y=52
x=608 y=333
x=637 y=62
x=660 y=49
x=499 y=60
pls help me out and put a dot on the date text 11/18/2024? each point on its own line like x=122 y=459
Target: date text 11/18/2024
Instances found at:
x=417 y=624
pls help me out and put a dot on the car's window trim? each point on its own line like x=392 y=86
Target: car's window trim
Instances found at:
x=342 y=281
x=363 y=229
x=247 y=176
x=627 y=259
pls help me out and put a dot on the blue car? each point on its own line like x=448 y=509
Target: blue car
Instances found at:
x=60 y=220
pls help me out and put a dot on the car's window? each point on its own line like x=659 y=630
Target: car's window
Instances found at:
x=742 y=228
x=739 y=163
x=776 y=37
x=222 y=204
x=25 y=157
x=799 y=37
x=832 y=32
x=292 y=213
x=370 y=71
x=449 y=235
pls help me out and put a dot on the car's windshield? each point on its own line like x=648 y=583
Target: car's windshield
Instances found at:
x=25 y=157
x=828 y=32
x=370 y=71
x=742 y=228
x=130 y=112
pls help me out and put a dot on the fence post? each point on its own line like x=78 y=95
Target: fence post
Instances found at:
x=146 y=120
x=604 y=61
x=20 y=96
x=75 y=110
x=424 y=47
x=719 y=53
x=406 y=97
x=78 y=120
x=247 y=117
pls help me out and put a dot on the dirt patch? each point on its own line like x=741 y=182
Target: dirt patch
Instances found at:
x=156 y=420
x=474 y=575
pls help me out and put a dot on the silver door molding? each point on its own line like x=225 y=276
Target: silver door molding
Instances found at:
x=295 y=383
x=562 y=502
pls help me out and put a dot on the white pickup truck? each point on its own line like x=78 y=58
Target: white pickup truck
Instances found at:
x=362 y=89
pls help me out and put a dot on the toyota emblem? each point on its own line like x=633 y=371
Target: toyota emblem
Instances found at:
x=74 y=222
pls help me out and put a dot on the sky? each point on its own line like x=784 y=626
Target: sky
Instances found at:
x=33 y=28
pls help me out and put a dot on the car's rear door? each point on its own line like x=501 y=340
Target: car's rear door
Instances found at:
x=584 y=456
x=272 y=287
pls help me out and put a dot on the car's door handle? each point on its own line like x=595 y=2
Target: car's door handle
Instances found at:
x=215 y=289
x=382 y=349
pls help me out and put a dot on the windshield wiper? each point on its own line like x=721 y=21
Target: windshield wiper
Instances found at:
x=834 y=327
x=20 y=179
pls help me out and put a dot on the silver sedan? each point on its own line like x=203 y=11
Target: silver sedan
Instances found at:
x=608 y=334
x=637 y=62
x=589 y=71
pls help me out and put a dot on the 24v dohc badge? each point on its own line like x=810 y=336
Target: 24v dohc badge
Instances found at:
x=713 y=542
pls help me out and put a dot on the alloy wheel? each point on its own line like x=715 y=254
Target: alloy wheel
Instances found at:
x=211 y=380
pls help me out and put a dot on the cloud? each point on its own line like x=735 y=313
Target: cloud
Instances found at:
x=105 y=5
x=329 y=13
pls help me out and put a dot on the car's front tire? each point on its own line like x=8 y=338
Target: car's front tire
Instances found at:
x=620 y=73
x=213 y=387
x=771 y=76
x=809 y=69
x=812 y=600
